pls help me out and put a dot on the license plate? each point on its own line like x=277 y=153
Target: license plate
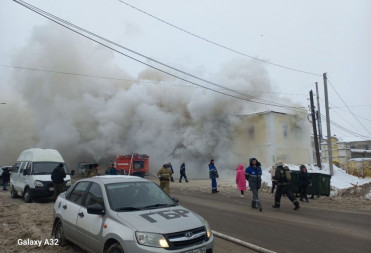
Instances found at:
x=51 y=188
x=199 y=250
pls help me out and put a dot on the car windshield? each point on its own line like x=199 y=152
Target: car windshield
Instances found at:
x=133 y=196
x=45 y=168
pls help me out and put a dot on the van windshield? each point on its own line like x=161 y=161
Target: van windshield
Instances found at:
x=45 y=168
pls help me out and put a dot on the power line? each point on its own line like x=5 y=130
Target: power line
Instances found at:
x=337 y=125
x=349 y=124
x=180 y=78
x=135 y=80
x=63 y=72
x=340 y=107
x=359 y=116
x=68 y=25
x=349 y=108
x=336 y=107
x=217 y=44
x=93 y=76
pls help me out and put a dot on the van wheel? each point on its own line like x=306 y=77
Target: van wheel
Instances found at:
x=115 y=248
x=13 y=193
x=27 y=196
x=59 y=233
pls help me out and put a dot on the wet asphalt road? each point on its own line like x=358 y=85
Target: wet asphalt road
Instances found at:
x=282 y=230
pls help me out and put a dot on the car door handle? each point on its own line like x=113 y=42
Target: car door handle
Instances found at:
x=81 y=214
x=64 y=206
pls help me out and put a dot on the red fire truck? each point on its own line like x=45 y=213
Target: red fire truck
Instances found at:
x=134 y=164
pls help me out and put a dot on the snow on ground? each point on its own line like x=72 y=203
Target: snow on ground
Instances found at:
x=340 y=179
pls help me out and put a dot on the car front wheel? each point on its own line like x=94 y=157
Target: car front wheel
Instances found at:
x=59 y=233
x=115 y=248
x=13 y=193
x=27 y=195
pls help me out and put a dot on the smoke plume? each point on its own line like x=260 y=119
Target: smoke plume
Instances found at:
x=94 y=119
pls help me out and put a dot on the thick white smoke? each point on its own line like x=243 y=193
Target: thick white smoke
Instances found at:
x=95 y=119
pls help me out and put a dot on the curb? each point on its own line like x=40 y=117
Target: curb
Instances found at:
x=242 y=243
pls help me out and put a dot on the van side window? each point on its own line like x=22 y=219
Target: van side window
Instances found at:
x=23 y=167
x=16 y=167
x=95 y=195
x=78 y=192
x=28 y=168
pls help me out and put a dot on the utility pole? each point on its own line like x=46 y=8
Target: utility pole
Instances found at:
x=319 y=120
x=329 y=144
x=314 y=128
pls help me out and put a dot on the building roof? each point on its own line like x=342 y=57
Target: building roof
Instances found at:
x=263 y=112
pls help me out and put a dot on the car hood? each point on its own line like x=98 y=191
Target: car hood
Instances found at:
x=162 y=220
x=49 y=177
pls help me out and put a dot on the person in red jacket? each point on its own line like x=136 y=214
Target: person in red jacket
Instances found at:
x=240 y=179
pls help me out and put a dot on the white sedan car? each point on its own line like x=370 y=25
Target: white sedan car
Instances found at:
x=127 y=214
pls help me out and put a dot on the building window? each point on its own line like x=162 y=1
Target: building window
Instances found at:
x=251 y=132
x=285 y=129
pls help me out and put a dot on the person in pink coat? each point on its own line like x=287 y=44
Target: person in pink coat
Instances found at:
x=241 y=180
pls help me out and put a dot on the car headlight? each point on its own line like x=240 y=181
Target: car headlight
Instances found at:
x=38 y=183
x=151 y=239
x=68 y=183
x=208 y=229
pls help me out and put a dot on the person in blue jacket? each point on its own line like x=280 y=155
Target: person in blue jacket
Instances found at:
x=213 y=175
x=253 y=176
x=183 y=173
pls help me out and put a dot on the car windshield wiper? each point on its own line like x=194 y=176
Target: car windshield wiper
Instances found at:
x=158 y=205
x=127 y=208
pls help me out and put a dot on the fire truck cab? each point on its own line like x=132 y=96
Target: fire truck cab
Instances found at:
x=133 y=164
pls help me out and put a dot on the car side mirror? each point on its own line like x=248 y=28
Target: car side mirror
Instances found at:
x=176 y=200
x=96 y=209
x=72 y=172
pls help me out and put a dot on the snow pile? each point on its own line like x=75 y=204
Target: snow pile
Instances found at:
x=342 y=184
x=357 y=191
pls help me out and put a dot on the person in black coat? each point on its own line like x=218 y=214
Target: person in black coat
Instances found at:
x=6 y=178
x=283 y=178
x=58 y=176
x=304 y=181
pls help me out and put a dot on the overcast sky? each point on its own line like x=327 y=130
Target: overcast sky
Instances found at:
x=310 y=36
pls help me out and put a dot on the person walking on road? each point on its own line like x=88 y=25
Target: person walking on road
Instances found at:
x=172 y=171
x=241 y=180
x=304 y=182
x=253 y=176
x=164 y=175
x=273 y=177
x=58 y=176
x=6 y=178
x=213 y=175
x=283 y=177
x=183 y=173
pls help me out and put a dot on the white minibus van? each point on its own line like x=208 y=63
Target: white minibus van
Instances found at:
x=31 y=174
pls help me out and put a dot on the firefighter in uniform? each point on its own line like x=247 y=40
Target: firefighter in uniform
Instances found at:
x=283 y=178
x=165 y=175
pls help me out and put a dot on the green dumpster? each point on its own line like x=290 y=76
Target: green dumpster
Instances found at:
x=295 y=182
x=320 y=184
